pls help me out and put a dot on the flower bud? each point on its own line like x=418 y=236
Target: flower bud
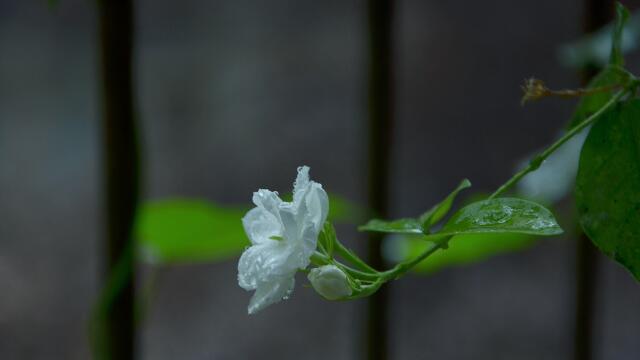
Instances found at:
x=330 y=282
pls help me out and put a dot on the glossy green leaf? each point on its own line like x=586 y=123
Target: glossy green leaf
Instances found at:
x=608 y=185
x=436 y=213
x=420 y=225
x=181 y=230
x=465 y=249
x=502 y=215
x=400 y=226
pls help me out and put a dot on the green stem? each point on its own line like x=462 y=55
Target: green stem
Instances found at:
x=359 y=274
x=538 y=160
x=401 y=268
x=353 y=258
x=320 y=259
x=438 y=242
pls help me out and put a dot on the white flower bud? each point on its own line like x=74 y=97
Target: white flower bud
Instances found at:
x=330 y=282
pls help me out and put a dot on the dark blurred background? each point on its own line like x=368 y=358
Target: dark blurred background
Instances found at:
x=233 y=96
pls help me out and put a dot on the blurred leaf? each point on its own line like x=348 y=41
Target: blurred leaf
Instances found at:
x=436 y=213
x=465 y=249
x=608 y=185
x=190 y=230
x=345 y=211
x=607 y=45
x=182 y=230
x=400 y=226
x=502 y=215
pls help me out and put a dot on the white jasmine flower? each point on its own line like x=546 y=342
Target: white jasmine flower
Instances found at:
x=330 y=282
x=283 y=237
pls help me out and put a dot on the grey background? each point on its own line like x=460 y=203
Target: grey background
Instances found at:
x=234 y=95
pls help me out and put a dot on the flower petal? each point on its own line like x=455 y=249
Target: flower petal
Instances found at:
x=271 y=293
x=249 y=266
x=290 y=226
x=266 y=262
x=317 y=203
x=269 y=200
x=260 y=225
x=301 y=185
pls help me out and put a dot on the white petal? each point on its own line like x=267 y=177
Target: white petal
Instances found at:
x=290 y=227
x=301 y=184
x=307 y=246
x=260 y=225
x=249 y=266
x=271 y=293
x=317 y=203
x=266 y=262
x=269 y=200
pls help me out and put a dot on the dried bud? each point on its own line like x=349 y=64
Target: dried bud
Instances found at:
x=533 y=89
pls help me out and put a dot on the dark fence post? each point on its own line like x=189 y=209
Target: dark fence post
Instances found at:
x=596 y=14
x=120 y=171
x=380 y=120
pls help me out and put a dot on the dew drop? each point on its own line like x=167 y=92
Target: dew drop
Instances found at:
x=494 y=214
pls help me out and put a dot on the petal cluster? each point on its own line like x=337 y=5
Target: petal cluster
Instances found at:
x=283 y=237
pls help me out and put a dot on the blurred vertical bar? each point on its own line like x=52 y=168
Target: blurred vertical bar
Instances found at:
x=120 y=161
x=597 y=13
x=380 y=120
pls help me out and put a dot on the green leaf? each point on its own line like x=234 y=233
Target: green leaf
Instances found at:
x=181 y=230
x=608 y=185
x=420 y=225
x=502 y=215
x=400 y=226
x=436 y=213
x=465 y=249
